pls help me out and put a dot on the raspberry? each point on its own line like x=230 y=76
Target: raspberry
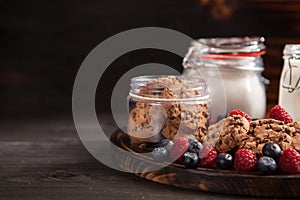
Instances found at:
x=241 y=113
x=289 y=161
x=180 y=146
x=244 y=160
x=279 y=113
x=207 y=156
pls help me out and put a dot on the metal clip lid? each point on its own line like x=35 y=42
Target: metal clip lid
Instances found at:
x=289 y=81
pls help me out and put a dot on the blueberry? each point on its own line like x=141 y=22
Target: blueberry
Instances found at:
x=272 y=150
x=266 y=165
x=167 y=144
x=160 y=154
x=192 y=140
x=224 y=161
x=190 y=160
x=195 y=147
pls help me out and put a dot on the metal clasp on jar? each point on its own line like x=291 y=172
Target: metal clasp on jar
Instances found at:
x=289 y=82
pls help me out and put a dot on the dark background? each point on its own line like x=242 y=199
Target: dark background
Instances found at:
x=44 y=42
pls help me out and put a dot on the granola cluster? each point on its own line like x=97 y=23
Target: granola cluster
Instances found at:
x=236 y=132
x=228 y=133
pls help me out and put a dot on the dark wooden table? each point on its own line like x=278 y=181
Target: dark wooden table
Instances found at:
x=44 y=159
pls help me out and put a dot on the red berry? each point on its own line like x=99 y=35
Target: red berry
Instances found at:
x=179 y=147
x=279 y=113
x=289 y=161
x=241 y=113
x=244 y=160
x=207 y=156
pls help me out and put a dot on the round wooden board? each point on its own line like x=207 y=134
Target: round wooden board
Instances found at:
x=210 y=180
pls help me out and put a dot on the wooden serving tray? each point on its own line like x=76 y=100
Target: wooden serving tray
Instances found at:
x=204 y=179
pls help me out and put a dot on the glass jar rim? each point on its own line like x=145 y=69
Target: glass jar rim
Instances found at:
x=241 y=53
x=291 y=50
x=197 y=86
x=231 y=46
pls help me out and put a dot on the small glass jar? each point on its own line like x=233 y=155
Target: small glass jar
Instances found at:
x=167 y=107
x=232 y=68
x=289 y=89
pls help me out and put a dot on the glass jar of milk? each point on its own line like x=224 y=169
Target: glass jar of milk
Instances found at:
x=289 y=89
x=232 y=68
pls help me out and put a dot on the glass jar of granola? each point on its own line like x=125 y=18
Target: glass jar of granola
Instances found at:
x=233 y=70
x=167 y=107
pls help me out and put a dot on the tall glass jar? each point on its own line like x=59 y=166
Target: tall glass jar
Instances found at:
x=233 y=70
x=289 y=88
x=167 y=107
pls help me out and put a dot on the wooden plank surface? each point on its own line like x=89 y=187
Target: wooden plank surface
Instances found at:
x=44 y=159
x=205 y=179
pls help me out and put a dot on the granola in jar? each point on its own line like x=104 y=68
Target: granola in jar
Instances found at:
x=167 y=107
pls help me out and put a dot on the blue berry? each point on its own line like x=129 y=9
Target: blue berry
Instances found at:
x=167 y=144
x=272 y=150
x=224 y=161
x=195 y=147
x=160 y=154
x=190 y=160
x=266 y=165
x=192 y=140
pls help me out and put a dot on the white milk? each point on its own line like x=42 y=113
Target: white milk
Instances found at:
x=289 y=88
x=232 y=68
x=235 y=89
